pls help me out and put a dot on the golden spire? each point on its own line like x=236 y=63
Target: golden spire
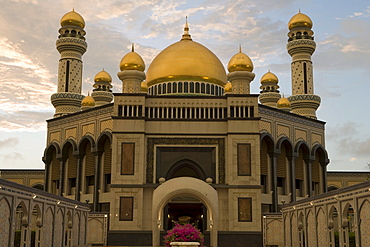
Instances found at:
x=186 y=35
x=132 y=47
x=240 y=48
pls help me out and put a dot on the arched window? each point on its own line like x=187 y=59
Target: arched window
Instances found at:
x=202 y=88
x=186 y=89
x=197 y=89
x=191 y=87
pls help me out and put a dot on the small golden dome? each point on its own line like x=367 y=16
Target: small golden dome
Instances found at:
x=283 y=103
x=72 y=19
x=144 y=87
x=88 y=101
x=240 y=62
x=103 y=76
x=228 y=87
x=269 y=78
x=300 y=20
x=132 y=61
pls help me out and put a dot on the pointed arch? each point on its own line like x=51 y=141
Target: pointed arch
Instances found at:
x=87 y=147
x=266 y=151
x=319 y=163
x=5 y=210
x=86 y=139
x=321 y=231
x=311 y=229
x=191 y=168
x=302 y=156
x=364 y=223
x=48 y=227
x=104 y=147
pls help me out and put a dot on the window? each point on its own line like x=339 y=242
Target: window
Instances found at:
x=127 y=158
x=244 y=209
x=244 y=159
x=126 y=208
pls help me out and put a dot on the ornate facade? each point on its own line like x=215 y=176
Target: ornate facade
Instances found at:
x=186 y=141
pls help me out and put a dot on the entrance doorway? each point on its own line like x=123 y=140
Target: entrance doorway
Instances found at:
x=194 y=213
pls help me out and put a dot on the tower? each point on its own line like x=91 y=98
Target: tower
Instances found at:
x=240 y=74
x=132 y=74
x=71 y=45
x=269 y=94
x=301 y=46
x=102 y=92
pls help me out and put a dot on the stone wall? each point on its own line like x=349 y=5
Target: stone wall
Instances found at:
x=337 y=218
x=31 y=217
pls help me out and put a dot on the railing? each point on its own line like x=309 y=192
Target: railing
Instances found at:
x=164 y=112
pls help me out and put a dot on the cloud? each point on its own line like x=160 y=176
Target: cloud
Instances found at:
x=9 y=142
x=13 y=156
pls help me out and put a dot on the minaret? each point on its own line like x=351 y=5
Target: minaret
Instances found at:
x=102 y=92
x=301 y=46
x=71 y=46
x=132 y=72
x=269 y=94
x=240 y=74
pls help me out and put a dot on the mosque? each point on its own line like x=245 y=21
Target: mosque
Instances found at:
x=185 y=141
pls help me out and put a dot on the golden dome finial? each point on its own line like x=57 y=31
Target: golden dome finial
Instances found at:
x=186 y=35
x=269 y=78
x=132 y=47
x=102 y=76
x=72 y=18
x=299 y=10
x=300 y=20
x=240 y=62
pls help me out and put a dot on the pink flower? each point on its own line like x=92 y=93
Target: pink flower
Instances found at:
x=184 y=233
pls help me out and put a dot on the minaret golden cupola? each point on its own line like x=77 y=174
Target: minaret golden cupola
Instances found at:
x=269 y=94
x=87 y=103
x=132 y=74
x=102 y=92
x=283 y=104
x=71 y=45
x=301 y=46
x=240 y=74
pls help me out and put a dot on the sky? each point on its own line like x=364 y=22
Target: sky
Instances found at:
x=29 y=59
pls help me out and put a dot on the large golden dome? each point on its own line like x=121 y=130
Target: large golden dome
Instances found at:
x=300 y=20
x=186 y=60
x=72 y=19
x=240 y=62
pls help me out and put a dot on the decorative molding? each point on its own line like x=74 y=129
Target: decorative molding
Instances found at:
x=291 y=117
x=80 y=116
x=301 y=42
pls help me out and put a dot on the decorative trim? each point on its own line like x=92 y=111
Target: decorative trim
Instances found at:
x=220 y=142
x=79 y=116
x=291 y=117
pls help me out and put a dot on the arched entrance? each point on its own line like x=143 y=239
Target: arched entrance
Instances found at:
x=183 y=187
